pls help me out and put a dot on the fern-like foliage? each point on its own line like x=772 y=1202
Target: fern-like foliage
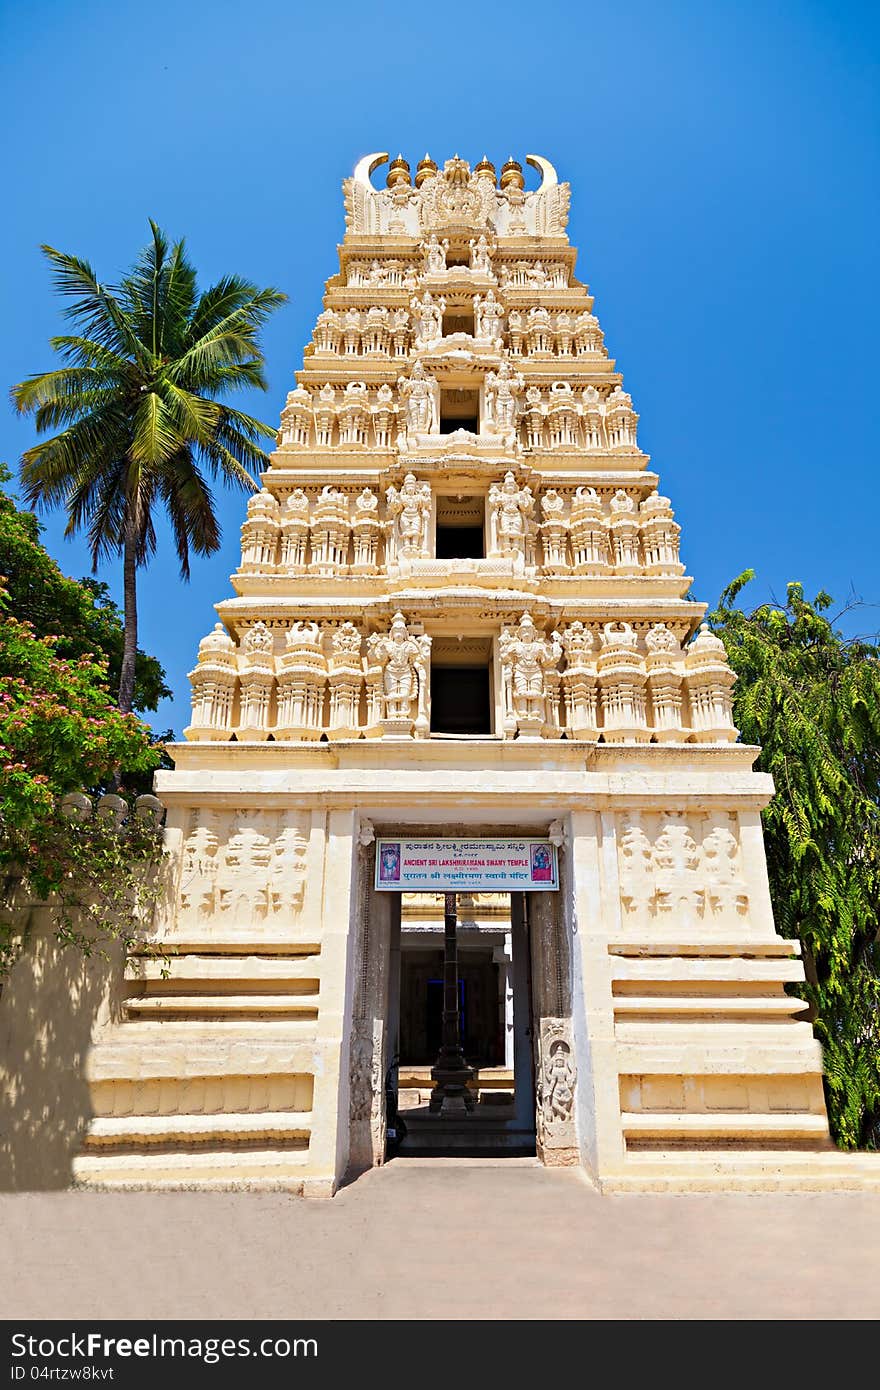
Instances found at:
x=810 y=697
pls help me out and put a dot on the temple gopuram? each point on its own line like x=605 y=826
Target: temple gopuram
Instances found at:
x=467 y=856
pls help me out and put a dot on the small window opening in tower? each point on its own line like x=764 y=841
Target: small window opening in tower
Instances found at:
x=461 y=528
x=459 y=410
x=458 y=320
x=457 y=255
x=461 y=685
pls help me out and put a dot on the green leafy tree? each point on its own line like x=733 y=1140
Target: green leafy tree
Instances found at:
x=79 y=615
x=810 y=697
x=60 y=732
x=137 y=400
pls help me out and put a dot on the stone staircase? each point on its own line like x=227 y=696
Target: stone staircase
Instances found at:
x=720 y=1076
x=208 y=1078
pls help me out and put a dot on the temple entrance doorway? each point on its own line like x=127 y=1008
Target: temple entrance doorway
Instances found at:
x=493 y=981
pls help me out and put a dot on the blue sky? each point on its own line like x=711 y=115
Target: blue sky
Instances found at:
x=723 y=159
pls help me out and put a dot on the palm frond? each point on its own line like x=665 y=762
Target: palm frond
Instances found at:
x=190 y=508
x=154 y=438
x=102 y=316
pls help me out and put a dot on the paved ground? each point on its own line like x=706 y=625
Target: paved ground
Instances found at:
x=428 y=1238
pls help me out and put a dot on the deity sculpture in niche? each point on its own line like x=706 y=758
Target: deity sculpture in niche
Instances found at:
x=434 y=251
x=427 y=315
x=528 y=662
x=481 y=256
x=455 y=195
x=509 y=510
x=405 y=662
x=502 y=389
x=409 y=509
x=488 y=314
x=419 y=394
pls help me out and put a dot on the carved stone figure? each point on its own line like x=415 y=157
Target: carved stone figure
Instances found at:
x=488 y=314
x=509 y=509
x=409 y=509
x=502 y=389
x=198 y=876
x=243 y=875
x=295 y=522
x=558 y=1095
x=679 y=889
x=481 y=256
x=659 y=639
x=726 y=893
x=555 y=1092
x=325 y=416
x=287 y=873
x=361 y=1073
x=405 y=664
x=418 y=392
x=434 y=251
x=455 y=195
x=428 y=319
x=637 y=885
x=527 y=658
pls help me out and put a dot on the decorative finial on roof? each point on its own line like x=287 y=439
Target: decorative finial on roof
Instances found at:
x=512 y=173
x=485 y=168
x=398 y=172
x=424 y=170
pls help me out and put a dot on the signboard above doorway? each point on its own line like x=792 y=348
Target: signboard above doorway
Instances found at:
x=466 y=866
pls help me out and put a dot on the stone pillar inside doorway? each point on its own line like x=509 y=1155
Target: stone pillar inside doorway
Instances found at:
x=554 y=1057
x=523 y=1065
x=371 y=1043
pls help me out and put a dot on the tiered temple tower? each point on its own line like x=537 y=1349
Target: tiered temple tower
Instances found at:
x=460 y=610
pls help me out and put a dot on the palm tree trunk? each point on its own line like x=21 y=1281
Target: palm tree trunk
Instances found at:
x=130 y=632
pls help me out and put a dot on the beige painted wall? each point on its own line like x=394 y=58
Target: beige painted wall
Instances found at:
x=49 y=1008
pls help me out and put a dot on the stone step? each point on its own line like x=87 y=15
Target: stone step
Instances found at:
x=198 y=1129
x=216 y=940
x=658 y=1054
x=745 y=1170
x=145 y=1049
x=219 y=1005
x=718 y=1006
x=222 y=1168
x=717 y=970
x=673 y=944
x=732 y=1125
x=277 y=969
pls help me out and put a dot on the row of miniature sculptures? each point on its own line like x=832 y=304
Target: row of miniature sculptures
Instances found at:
x=332 y=534
x=554 y=417
x=377 y=331
x=470 y=260
x=676 y=877
x=331 y=680
x=242 y=867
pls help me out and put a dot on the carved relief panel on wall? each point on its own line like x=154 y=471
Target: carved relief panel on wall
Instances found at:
x=243 y=868
x=678 y=871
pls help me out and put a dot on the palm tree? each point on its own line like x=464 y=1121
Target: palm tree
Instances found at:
x=137 y=399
